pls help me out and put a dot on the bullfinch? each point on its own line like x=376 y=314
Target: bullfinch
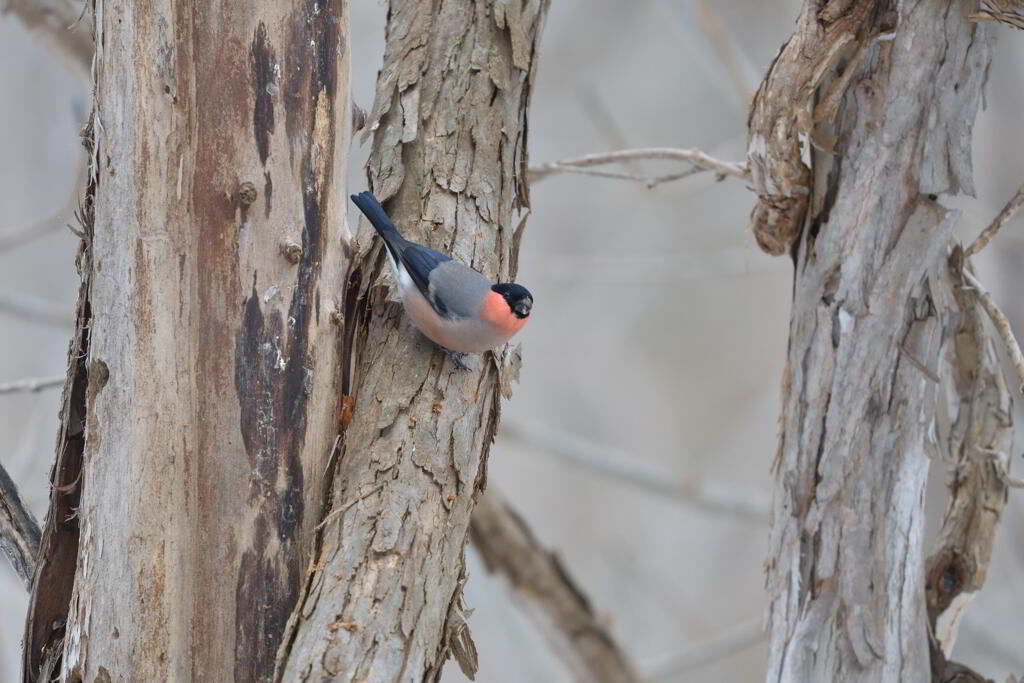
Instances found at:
x=453 y=305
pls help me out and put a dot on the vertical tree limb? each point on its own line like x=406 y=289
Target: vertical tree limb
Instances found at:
x=449 y=160
x=976 y=447
x=547 y=593
x=211 y=359
x=844 y=578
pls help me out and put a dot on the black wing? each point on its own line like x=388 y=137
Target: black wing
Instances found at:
x=419 y=261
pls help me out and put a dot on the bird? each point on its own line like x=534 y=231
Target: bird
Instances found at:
x=453 y=305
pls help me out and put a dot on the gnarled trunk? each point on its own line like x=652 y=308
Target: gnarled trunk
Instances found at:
x=202 y=400
x=891 y=128
x=449 y=163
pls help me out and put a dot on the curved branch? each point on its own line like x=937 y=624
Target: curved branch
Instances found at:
x=698 y=160
x=19 y=530
x=546 y=592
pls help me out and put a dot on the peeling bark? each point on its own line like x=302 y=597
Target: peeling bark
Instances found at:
x=383 y=602
x=976 y=448
x=19 y=531
x=845 y=574
x=211 y=360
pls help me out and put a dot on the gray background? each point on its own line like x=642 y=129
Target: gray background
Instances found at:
x=659 y=327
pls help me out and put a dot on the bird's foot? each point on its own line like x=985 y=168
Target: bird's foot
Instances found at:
x=459 y=359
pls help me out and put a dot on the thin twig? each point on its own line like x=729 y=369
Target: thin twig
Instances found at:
x=738 y=638
x=718 y=499
x=1002 y=325
x=31 y=385
x=1008 y=212
x=697 y=158
x=19 y=531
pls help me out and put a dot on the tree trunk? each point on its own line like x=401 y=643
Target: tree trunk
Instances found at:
x=383 y=601
x=891 y=129
x=206 y=366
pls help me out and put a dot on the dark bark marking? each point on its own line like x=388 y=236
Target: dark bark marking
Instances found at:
x=268 y=192
x=262 y=62
x=269 y=379
x=58 y=552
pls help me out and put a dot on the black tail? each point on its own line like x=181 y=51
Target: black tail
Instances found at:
x=371 y=208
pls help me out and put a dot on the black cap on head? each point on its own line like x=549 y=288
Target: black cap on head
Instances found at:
x=519 y=299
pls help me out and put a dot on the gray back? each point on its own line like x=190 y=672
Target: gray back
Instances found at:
x=457 y=290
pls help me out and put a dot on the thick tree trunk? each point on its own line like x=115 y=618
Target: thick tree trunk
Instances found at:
x=206 y=342
x=892 y=129
x=449 y=159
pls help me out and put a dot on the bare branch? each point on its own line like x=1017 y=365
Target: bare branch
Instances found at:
x=1008 y=212
x=698 y=159
x=546 y=592
x=1002 y=325
x=978 y=435
x=1009 y=12
x=31 y=385
x=61 y=24
x=19 y=531
x=714 y=498
x=740 y=637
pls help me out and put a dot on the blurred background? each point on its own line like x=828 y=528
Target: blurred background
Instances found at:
x=656 y=349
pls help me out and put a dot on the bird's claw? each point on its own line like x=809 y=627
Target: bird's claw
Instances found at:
x=459 y=359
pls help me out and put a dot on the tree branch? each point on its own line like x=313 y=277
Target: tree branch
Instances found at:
x=546 y=592
x=62 y=24
x=698 y=159
x=1008 y=212
x=19 y=531
x=31 y=385
x=448 y=160
x=1002 y=325
x=1009 y=12
x=844 y=573
x=979 y=436
x=712 y=498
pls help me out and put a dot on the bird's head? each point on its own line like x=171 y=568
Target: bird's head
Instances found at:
x=517 y=297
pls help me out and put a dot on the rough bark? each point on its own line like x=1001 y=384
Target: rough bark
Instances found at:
x=19 y=531
x=976 y=447
x=845 y=572
x=449 y=160
x=202 y=400
x=545 y=590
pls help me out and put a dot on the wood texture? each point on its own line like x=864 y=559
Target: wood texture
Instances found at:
x=449 y=162
x=975 y=447
x=845 y=573
x=19 y=531
x=211 y=360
